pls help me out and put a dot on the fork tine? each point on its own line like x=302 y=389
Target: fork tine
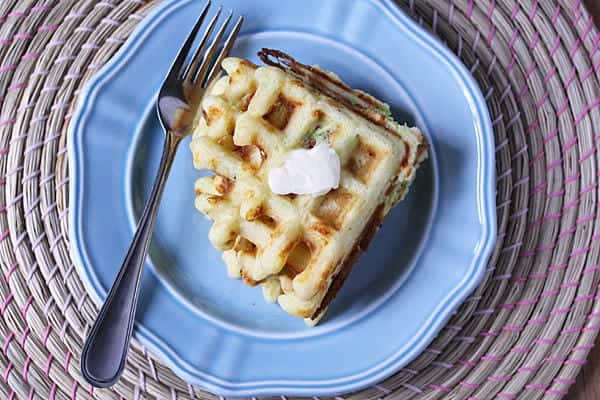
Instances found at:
x=211 y=50
x=177 y=66
x=225 y=51
x=190 y=71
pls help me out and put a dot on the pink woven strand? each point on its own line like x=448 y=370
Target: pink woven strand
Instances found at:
x=24 y=336
x=595 y=103
x=16 y=14
x=570 y=144
x=533 y=11
x=536 y=386
x=67 y=362
x=596 y=43
x=26 y=368
x=515 y=11
x=7 y=341
x=555 y=46
x=5 y=303
x=8 y=67
x=49 y=361
x=46 y=334
x=562 y=108
x=535 y=40
x=559 y=311
x=469 y=385
x=470 y=8
x=585 y=219
x=552 y=135
x=550 y=74
x=441 y=388
x=580 y=251
x=550 y=293
x=10 y=271
x=569 y=231
x=74 y=390
x=591 y=269
x=584 y=297
x=23 y=35
x=530 y=69
x=30 y=56
x=26 y=306
x=512 y=328
x=537 y=157
x=52 y=395
x=571 y=284
x=491 y=34
x=48 y=27
x=491 y=358
x=16 y=86
x=564 y=381
x=41 y=7
x=553 y=164
x=571 y=77
x=575 y=47
x=7 y=371
x=593 y=69
x=527 y=369
x=498 y=378
x=537 y=321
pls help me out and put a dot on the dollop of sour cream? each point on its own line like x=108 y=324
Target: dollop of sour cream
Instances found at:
x=307 y=171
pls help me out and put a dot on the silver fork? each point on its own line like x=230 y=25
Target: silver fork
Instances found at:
x=105 y=350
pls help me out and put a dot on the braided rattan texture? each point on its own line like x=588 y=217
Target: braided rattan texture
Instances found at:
x=524 y=333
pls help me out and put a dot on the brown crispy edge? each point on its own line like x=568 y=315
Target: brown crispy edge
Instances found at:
x=361 y=245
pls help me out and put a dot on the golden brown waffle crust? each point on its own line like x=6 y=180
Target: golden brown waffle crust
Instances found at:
x=299 y=248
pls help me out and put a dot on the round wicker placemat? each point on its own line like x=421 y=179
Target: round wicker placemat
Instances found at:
x=524 y=333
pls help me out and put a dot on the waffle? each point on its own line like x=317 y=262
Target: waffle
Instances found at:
x=299 y=248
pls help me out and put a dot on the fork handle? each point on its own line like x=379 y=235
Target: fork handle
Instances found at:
x=105 y=350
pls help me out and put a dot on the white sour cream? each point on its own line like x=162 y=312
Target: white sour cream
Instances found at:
x=307 y=171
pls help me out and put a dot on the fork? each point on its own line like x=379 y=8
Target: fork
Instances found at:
x=105 y=350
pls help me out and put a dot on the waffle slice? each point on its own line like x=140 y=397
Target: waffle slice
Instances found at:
x=300 y=248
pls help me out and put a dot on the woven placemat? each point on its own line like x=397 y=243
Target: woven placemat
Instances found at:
x=524 y=333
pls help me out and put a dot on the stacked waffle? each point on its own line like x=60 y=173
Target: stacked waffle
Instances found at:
x=300 y=248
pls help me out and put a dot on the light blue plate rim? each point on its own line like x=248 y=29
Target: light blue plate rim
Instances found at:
x=485 y=204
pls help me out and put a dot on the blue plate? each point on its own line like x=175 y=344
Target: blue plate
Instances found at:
x=219 y=334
